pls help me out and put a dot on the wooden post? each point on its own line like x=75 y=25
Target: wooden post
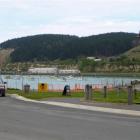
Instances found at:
x=105 y=91
x=118 y=90
x=135 y=93
x=88 y=92
x=130 y=95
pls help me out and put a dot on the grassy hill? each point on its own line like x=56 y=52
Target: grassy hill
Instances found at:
x=133 y=53
x=4 y=55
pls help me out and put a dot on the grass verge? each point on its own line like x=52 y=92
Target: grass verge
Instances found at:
x=40 y=95
x=112 y=96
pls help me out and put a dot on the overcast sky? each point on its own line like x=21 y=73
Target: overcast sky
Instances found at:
x=76 y=17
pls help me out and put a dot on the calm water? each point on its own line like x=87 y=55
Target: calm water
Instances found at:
x=58 y=82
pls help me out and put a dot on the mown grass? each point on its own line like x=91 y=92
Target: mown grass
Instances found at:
x=115 y=97
x=112 y=96
x=40 y=95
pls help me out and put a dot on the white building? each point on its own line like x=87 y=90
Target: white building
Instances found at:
x=97 y=59
x=94 y=58
x=91 y=58
x=43 y=70
x=71 y=71
x=52 y=71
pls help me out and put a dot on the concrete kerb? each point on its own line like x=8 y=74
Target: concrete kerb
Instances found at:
x=83 y=107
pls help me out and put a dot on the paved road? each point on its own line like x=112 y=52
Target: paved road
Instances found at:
x=21 y=120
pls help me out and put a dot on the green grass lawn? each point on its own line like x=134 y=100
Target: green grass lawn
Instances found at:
x=115 y=97
x=39 y=95
x=112 y=96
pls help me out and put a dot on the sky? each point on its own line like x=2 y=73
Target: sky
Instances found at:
x=20 y=18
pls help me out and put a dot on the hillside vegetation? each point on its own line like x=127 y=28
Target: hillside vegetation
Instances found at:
x=53 y=47
x=4 y=55
x=134 y=53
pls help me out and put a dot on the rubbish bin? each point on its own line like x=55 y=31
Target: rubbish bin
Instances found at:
x=66 y=90
x=26 y=88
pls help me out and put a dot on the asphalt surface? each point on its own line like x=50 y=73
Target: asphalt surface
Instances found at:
x=21 y=120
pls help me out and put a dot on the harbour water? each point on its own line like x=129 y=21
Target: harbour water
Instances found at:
x=58 y=82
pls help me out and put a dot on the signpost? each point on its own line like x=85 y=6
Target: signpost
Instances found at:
x=42 y=87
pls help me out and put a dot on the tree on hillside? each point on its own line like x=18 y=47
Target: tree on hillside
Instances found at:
x=52 y=47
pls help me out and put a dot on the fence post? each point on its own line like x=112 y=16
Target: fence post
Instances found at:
x=88 y=92
x=130 y=95
x=105 y=91
x=135 y=93
x=118 y=90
